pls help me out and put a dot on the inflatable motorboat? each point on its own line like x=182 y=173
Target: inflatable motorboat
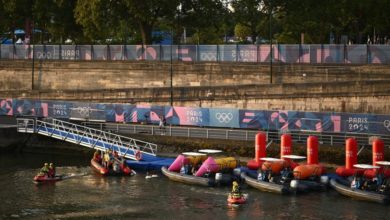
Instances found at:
x=188 y=179
x=266 y=186
x=47 y=179
x=344 y=188
x=122 y=170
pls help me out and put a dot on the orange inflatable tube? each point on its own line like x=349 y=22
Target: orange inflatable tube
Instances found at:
x=275 y=167
x=302 y=172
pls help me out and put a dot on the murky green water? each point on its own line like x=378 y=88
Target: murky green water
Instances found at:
x=95 y=197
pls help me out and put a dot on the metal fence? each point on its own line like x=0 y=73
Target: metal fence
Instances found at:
x=327 y=138
x=283 y=53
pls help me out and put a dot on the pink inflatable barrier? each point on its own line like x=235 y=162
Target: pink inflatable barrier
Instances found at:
x=177 y=164
x=208 y=165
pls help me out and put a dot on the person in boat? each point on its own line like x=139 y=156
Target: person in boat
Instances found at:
x=286 y=175
x=384 y=188
x=115 y=155
x=106 y=159
x=97 y=157
x=183 y=170
x=195 y=168
x=116 y=166
x=188 y=169
x=236 y=190
x=52 y=171
x=44 y=170
x=357 y=182
x=264 y=175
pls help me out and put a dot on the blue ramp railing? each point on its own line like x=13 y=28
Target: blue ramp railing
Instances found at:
x=88 y=137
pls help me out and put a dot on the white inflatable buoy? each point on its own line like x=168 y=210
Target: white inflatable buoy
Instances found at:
x=218 y=176
x=294 y=184
x=237 y=171
x=324 y=180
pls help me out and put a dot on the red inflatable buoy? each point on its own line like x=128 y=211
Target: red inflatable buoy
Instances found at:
x=377 y=155
x=286 y=149
x=350 y=159
x=350 y=153
x=260 y=144
x=138 y=155
x=378 y=151
x=285 y=145
x=312 y=150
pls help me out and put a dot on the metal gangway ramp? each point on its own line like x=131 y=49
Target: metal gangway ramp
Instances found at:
x=88 y=137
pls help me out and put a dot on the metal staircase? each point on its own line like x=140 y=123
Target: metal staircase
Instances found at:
x=88 y=137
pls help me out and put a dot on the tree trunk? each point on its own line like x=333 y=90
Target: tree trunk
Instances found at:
x=146 y=33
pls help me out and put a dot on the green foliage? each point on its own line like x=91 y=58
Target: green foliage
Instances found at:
x=249 y=14
x=242 y=32
x=206 y=21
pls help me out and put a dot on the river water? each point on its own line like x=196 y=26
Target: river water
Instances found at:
x=95 y=197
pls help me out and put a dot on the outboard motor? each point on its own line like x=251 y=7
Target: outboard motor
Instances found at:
x=223 y=179
x=324 y=180
x=218 y=178
x=116 y=167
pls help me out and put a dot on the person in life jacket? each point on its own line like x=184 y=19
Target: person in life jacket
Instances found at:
x=106 y=159
x=236 y=191
x=97 y=157
x=44 y=170
x=52 y=170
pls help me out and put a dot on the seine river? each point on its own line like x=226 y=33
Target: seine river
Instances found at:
x=94 y=197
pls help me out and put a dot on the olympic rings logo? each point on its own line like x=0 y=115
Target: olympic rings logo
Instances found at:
x=224 y=117
x=208 y=56
x=386 y=124
x=83 y=111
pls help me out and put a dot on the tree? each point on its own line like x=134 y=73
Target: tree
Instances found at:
x=241 y=32
x=249 y=13
x=62 y=25
x=103 y=19
x=148 y=14
x=205 y=19
x=14 y=15
x=99 y=19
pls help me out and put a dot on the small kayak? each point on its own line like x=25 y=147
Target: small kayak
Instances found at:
x=233 y=199
x=46 y=179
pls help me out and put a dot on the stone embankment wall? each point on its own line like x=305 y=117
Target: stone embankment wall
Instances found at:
x=300 y=87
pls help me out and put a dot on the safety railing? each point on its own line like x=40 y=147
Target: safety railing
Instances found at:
x=86 y=136
x=328 y=138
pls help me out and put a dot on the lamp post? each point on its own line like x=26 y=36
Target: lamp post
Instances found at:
x=33 y=55
x=171 y=73
x=270 y=42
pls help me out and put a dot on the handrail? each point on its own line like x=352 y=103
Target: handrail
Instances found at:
x=86 y=136
x=235 y=134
